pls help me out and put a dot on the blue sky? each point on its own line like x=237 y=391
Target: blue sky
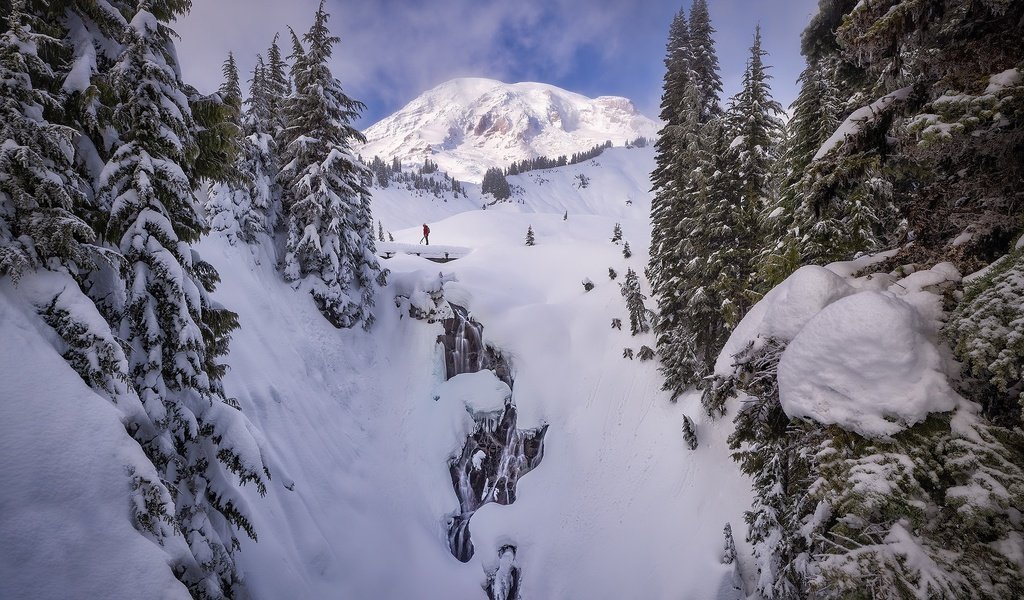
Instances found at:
x=392 y=50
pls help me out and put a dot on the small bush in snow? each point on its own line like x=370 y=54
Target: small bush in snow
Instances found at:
x=627 y=353
x=612 y=274
x=645 y=353
x=617 y=324
x=587 y=284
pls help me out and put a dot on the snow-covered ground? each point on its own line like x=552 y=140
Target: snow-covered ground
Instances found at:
x=617 y=186
x=617 y=508
x=614 y=508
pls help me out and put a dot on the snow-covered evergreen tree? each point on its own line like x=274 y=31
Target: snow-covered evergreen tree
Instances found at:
x=617 y=234
x=694 y=99
x=925 y=513
x=530 y=239
x=987 y=334
x=670 y=143
x=635 y=303
x=173 y=331
x=330 y=245
x=40 y=190
x=729 y=551
x=259 y=158
x=626 y=252
x=704 y=60
x=277 y=87
x=237 y=205
x=494 y=183
x=815 y=113
x=756 y=128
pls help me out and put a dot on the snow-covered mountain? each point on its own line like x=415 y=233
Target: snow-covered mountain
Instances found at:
x=468 y=125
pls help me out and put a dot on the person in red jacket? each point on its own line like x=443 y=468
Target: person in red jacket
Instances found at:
x=426 y=234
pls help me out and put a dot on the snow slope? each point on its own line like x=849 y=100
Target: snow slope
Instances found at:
x=64 y=480
x=468 y=125
x=614 y=509
x=618 y=187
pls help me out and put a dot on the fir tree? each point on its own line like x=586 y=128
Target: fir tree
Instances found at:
x=815 y=116
x=494 y=183
x=704 y=61
x=237 y=205
x=530 y=240
x=626 y=252
x=174 y=331
x=756 y=128
x=380 y=231
x=635 y=303
x=612 y=274
x=330 y=232
x=671 y=143
x=565 y=217
x=729 y=552
x=701 y=302
x=40 y=191
x=617 y=234
x=645 y=353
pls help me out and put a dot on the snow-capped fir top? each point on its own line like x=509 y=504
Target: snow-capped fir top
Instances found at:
x=470 y=124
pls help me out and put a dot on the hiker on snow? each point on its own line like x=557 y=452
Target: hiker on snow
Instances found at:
x=426 y=234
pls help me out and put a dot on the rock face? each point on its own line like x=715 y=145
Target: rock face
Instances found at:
x=496 y=453
x=468 y=125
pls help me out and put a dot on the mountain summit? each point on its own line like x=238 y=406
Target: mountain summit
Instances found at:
x=468 y=125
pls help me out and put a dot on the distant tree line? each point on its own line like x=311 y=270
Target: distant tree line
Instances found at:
x=420 y=178
x=545 y=162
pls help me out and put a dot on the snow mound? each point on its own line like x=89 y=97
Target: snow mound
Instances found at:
x=480 y=392
x=866 y=363
x=784 y=311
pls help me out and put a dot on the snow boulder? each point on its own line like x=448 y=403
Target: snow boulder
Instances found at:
x=867 y=364
x=784 y=311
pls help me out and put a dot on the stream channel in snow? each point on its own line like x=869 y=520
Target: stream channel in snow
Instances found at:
x=496 y=453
